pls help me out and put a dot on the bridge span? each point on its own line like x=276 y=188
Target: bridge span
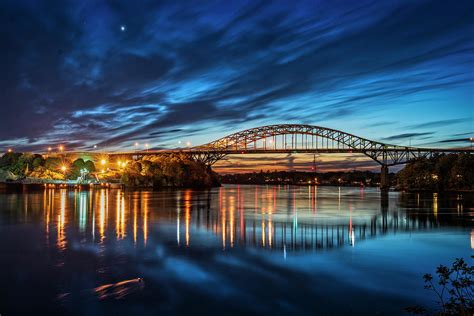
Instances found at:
x=299 y=138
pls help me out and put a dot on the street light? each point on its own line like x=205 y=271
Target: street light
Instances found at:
x=61 y=148
x=9 y=150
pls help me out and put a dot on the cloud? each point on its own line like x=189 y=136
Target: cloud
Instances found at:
x=71 y=75
x=439 y=123
x=407 y=135
x=455 y=140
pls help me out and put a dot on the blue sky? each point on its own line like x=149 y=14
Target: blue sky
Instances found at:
x=112 y=73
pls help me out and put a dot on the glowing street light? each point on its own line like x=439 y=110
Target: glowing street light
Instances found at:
x=61 y=148
x=63 y=168
x=49 y=149
x=10 y=150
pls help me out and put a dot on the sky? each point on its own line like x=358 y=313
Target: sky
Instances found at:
x=112 y=73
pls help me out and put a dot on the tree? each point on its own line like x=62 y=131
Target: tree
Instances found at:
x=22 y=165
x=454 y=289
x=38 y=161
x=89 y=165
x=76 y=167
x=461 y=176
x=418 y=175
x=9 y=159
x=442 y=172
x=52 y=163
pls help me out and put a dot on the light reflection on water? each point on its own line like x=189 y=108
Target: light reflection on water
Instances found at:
x=129 y=231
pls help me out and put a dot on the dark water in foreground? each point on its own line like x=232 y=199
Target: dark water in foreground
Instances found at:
x=231 y=250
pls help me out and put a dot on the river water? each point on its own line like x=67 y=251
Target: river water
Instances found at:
x=229 y=250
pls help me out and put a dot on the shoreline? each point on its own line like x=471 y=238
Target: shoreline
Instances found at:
x=20 y=186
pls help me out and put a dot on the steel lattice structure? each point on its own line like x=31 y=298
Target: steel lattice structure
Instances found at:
x=297 y=138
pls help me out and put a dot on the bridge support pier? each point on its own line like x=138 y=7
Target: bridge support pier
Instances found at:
x=384 y=180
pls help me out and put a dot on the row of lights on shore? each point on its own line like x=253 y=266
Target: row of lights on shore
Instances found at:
x=103 y=162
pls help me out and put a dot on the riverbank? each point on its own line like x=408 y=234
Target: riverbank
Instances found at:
x=20 y=187
x=29 y=186
x=432 y=190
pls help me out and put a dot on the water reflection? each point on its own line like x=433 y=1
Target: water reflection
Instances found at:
x=61 y=221
x=274 y=217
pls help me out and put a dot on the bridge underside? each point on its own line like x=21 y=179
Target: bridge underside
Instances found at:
x=384 y=157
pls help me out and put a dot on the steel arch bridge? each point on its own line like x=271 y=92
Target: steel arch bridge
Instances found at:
x=298 y=138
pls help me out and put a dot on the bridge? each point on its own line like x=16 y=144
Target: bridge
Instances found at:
x=299 y=138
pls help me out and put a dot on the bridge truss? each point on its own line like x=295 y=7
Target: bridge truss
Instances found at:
x=296 y=138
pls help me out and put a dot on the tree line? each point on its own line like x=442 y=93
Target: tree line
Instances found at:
x=151 y=171
x=443 y=172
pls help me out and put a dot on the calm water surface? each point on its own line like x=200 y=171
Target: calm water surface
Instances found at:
x=230 y=250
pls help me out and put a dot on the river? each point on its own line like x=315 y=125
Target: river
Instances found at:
x=230 y=250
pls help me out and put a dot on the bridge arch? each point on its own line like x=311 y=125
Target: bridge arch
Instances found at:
x=246 y=139
x=309 y=139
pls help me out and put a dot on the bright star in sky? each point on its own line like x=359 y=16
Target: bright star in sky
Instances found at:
x=122 y=28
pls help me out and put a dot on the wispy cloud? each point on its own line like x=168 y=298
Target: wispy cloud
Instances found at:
x=439 y=123
x=407 y=135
